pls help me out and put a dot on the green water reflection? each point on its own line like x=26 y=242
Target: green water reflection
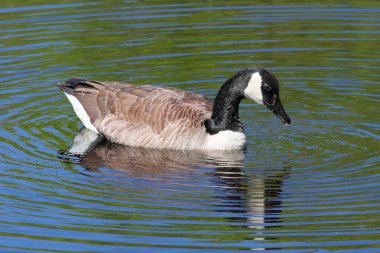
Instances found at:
x=312 y=186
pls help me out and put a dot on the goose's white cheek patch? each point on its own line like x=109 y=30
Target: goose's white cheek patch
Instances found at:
x=253 y=90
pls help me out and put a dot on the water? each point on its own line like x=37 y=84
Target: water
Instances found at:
x=310 y=187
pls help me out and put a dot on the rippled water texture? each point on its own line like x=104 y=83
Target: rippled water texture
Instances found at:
x=312 y=186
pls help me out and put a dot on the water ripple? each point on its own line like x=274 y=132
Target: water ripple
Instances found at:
x=312 y=186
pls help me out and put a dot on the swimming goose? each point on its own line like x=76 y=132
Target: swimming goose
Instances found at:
x=161 y=117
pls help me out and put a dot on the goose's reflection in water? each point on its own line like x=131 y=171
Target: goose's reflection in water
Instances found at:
x=250 y=198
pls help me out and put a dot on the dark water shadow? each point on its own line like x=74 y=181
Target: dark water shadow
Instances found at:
x=250 y=200
x=253 y=200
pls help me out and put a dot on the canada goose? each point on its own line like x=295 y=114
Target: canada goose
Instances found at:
x=161 y=117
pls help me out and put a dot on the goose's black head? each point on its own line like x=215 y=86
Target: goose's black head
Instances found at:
x=263 y=88
x=256 y=84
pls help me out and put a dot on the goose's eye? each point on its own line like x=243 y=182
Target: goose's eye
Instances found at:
x=267 y=87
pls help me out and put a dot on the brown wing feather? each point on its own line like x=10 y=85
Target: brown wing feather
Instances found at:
x=158 y=107
x=121 y=109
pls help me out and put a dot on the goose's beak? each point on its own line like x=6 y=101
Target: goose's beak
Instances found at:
x=277 y=108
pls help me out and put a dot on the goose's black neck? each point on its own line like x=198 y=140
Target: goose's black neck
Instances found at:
x=225 y=113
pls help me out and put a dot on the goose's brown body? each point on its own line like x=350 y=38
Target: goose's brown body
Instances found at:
x=143 y=116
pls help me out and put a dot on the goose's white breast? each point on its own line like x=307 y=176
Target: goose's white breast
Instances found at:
x=225 y=140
